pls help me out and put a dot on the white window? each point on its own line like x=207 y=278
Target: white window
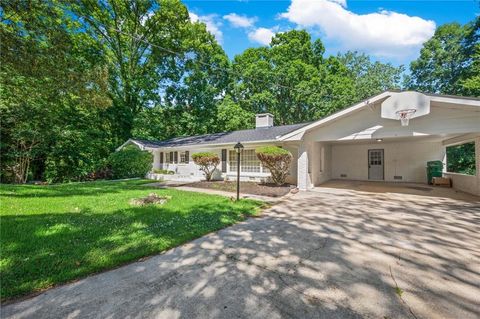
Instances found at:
x=167 y=158
x=183 y=158
x=249 y=163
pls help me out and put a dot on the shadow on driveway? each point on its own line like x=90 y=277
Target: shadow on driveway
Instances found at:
x=329 y=253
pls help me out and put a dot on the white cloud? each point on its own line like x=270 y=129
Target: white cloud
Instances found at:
x=213 y=25
x=240 y=21
x=343 y=3
x=383 y=33
x=261 y=35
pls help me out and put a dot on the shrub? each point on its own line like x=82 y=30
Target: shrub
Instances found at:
x=277 y=160
x=163 y=171
x=100 y=171
x=130 y=162
x=208 y=163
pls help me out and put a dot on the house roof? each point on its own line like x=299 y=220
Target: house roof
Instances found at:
x=298 y=133
x=287 y=132
x=252 y=135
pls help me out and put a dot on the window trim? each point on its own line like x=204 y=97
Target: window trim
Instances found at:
x=233 y=168
x=183 y=154
x=445 y=162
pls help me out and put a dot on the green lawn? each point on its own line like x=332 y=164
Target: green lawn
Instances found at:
x=53 y=234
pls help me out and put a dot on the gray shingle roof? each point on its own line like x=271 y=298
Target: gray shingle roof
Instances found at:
x=253 y=135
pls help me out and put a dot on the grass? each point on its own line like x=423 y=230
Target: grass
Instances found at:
x=54 y=234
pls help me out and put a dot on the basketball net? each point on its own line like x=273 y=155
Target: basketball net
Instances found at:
x=405 y=115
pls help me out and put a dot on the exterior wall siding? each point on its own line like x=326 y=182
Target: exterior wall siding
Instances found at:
x=191 y=170
x=406 y=159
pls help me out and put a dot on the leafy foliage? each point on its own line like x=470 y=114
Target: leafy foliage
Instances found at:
x=163 y=171
x=231 y=116
x=369 y=77
x=53 y=95
x=129 y=162
x=277 y=160
x=208 y=163
x=449 y=61
x=461 y=159
x=80 y=77
x=293 y=80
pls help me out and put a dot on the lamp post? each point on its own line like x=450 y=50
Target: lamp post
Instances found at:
x=238 y=148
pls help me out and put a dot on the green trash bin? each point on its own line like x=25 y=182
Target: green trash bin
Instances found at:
x=434 y=169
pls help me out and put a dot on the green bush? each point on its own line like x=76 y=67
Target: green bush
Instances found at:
x=163 y=171
x=272 y=150
x=461 y=159
x=208 y=163
x=72 y=158
x=277 y=160
x=130 y=162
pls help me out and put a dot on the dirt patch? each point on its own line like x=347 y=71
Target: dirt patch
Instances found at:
x=152 y=198
x=251 y=188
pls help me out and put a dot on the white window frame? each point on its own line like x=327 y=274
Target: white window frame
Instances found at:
x=182 y=157
x=167 y=158
x=245 y=169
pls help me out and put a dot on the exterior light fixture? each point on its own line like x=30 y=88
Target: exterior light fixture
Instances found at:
x=379 y=139
x=238 y=148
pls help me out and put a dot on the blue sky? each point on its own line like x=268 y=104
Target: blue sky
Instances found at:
x=390 y=31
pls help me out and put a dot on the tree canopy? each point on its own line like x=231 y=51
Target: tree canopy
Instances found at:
x=80 y=77
x=449 y=62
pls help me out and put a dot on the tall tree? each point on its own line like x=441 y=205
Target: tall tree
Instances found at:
x=447 y=61
x=471 y=78
x=293 y=80
x=51 y=78
x=125 y=30
x=157 y=58
x=370 y=77
x=283 y=78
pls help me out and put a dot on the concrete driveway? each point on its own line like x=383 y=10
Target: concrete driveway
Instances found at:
x=347 y=250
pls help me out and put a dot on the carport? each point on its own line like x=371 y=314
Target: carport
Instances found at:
x=366 y=142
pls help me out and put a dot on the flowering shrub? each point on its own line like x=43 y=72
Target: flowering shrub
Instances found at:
x=208 y=163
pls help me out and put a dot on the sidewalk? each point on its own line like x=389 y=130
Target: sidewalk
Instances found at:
x=182 y=186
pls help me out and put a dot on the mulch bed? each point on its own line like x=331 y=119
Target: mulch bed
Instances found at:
x=251 y=188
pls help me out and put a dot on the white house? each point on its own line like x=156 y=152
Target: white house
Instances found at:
x=388 y=137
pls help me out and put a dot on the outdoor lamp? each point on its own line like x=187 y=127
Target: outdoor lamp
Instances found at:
x=238 y=148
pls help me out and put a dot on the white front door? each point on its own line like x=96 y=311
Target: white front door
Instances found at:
x=375 y=164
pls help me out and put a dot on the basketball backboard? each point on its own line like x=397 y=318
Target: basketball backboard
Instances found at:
x=409 y=103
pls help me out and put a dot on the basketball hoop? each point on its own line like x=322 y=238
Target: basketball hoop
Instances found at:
x=405 y=115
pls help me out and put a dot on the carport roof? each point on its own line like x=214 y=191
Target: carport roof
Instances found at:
x=284 y=132
x=469 y=101
x=253 y=135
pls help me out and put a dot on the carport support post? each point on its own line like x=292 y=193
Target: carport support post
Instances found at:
x=477 y=163
x=302 y=167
